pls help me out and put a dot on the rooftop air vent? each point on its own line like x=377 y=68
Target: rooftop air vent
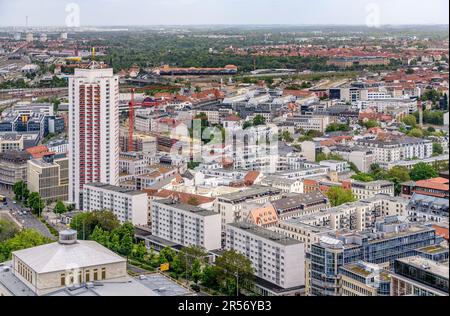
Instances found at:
x=68 y=237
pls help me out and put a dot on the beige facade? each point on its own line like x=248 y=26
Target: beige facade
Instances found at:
x=44 y=283
x=49 y=179
x=11 y=142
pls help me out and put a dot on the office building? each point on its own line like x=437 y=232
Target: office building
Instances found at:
x=417 y=276
x=393 y=240
x=93 y=129
x=364 y=279
x=49 y=176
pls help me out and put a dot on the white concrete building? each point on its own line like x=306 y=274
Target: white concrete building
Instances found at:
x=185 y=224
x=93 y=129
x=127 y=205
x=364 y=190
x=336 y=166
x=277 y=259
x=398 y=149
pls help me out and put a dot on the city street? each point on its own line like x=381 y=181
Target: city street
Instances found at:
x=24 y=216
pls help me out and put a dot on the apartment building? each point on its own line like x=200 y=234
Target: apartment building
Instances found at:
x=185 y=224
x=276 y=259
x=128 y=205
x=364 y=190
x=286 y=185
x=336 y=166
x=93 y=129
x=417 y=276
x=301 y=204
x=425 y=208
x=398 y=148
x=49 y=176
x=230 y=206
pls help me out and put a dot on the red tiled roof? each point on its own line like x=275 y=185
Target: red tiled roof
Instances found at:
x=182 y=197
x=251 y=177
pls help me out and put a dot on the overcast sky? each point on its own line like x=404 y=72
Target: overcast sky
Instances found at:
x=185 y=12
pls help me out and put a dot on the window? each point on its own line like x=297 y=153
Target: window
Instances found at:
x=63 y=279
x=87 y=277
x=103 y=273
x=95 y=274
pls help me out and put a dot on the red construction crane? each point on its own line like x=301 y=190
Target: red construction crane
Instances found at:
x=132 y=105
x=131 y=122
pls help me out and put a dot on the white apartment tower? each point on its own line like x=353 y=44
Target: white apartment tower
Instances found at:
x=93 y=129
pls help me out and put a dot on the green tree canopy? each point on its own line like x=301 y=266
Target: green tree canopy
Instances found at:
x=423 y=171
x=410 y=120
x=7 y=229
x=85 y=223
x=259 y=120
x=26 y=238
x=437 y=149
x=232 y=267
x=339 y=196
x=60 y=208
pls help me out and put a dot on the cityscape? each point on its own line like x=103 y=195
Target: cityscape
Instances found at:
x=206 y=155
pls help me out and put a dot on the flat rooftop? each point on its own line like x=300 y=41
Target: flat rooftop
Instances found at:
x=250 y=193
x=186 y=207
x=265 y=233
x=440 y=269
x=114 y=188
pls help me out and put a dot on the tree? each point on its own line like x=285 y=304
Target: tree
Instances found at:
x=335 y=127
x=20 y=191
x=259 y=120
x=410 y=120
x=416 y=132
x=126 y=245
x=398 y=175
x=437 y=149
x=409 y=71
x=35 y=203
x=188 y=256
x=7 y=230
x=286 y=136
x=26 y=238
x=233 y=270
x=139 y=251
x=423 y=171
x=167 y=255
x=369 y=124
x=363 y=177
x=60 y=208
x=339 y=196
x=247 y=124
x=209 y=277
x=85 y=223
